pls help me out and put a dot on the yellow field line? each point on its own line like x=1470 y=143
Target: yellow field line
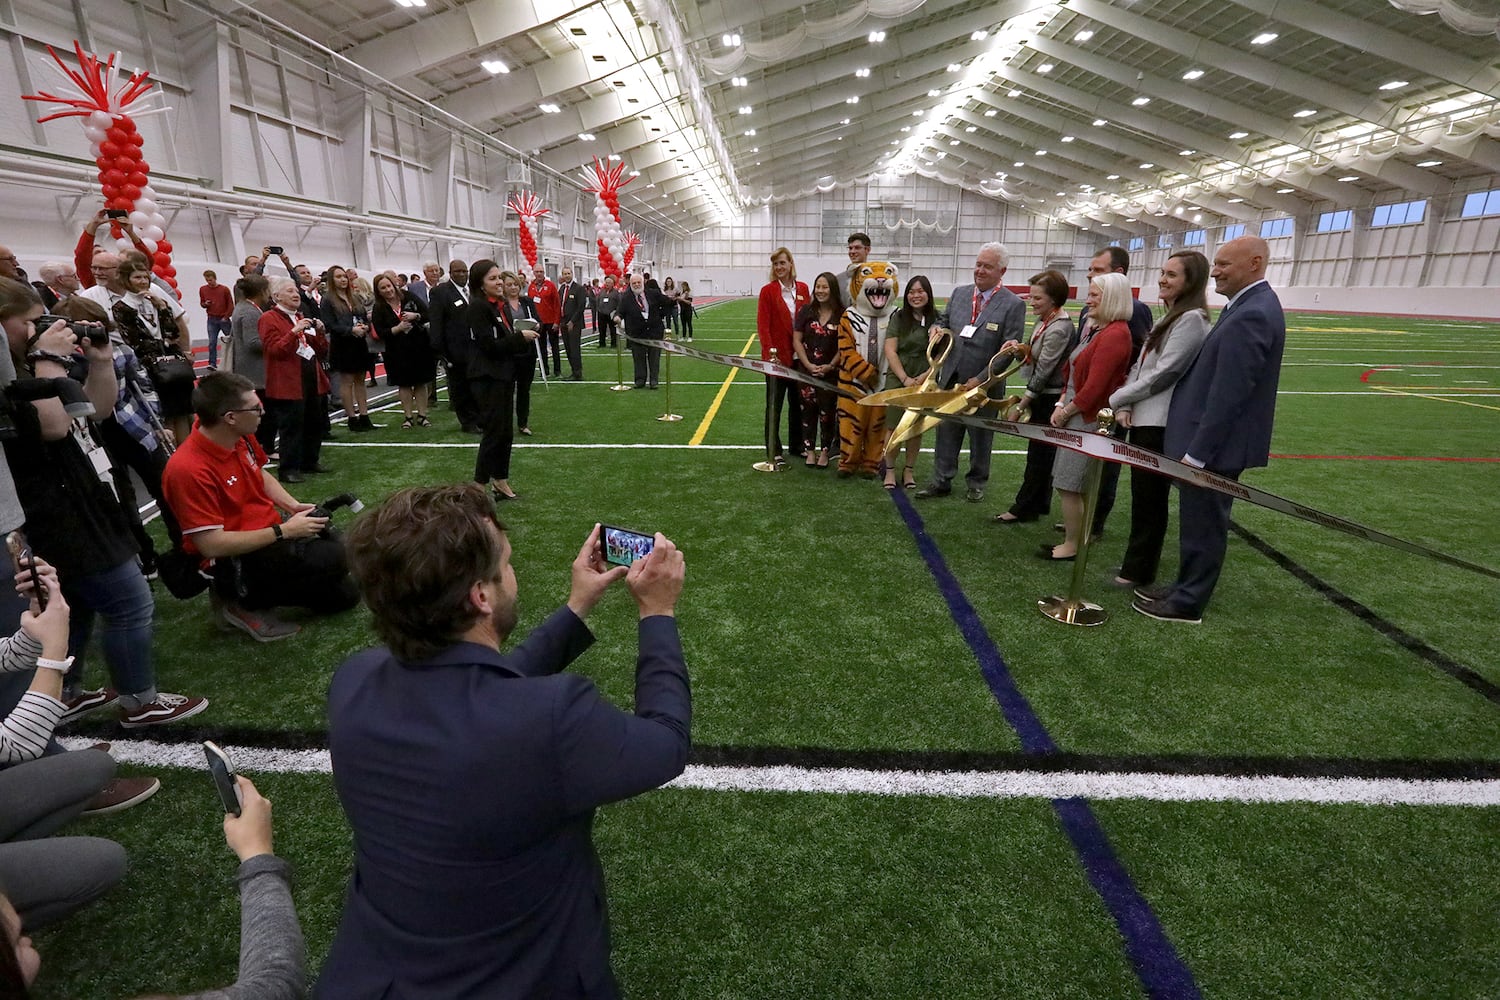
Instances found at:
x=713 y=408
x=1440 y=399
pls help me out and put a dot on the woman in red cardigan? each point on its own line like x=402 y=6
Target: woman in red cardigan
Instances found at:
x=780 y=301
x=294 y=350
x=1097 y=368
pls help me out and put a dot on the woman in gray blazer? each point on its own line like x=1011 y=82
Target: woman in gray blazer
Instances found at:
x=252 y=294
x=1050 y=343
x=1141 y=404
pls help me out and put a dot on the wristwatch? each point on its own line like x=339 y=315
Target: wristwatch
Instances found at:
x=61 y=666
x=276 y=530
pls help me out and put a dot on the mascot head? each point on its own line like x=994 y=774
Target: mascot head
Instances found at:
x=873 y=291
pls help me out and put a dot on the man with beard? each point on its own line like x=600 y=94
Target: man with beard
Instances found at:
x=474 y=871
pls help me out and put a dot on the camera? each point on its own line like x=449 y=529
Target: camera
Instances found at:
x=276 y=251
x=28 y=390
x=94 y=333
x=116 y=213
x=333 y=503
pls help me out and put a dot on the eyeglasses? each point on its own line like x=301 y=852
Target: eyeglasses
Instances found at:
x=246 y=409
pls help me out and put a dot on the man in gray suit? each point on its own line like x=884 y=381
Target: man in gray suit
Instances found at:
x=982 y=316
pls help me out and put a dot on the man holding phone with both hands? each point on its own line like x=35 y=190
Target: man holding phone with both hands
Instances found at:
x=470 y=776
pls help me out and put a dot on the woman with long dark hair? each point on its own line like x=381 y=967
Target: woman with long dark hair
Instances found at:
x=400 y=320
x=347 y=322
x=1141 y=404
x=498 y=349
x=906 y=365
x=815 y=339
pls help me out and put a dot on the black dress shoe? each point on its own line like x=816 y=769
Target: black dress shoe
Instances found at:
x=319 y=469
x=292 y=477
x=1009 y=518
x=927 y=492
x=1165 y=611
x=1045 y=554
x=1154 y=592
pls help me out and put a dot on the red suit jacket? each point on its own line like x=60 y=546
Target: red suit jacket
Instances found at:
x=283 y=366
x=548 y=305
x=774 y=324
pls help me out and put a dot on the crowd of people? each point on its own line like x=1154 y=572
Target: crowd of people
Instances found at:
x=1212 y=410
x=101 y=393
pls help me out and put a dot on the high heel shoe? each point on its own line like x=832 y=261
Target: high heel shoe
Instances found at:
x=501 y=496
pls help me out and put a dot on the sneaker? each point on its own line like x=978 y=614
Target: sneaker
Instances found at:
x=85 y=702
x=1164 y=611
x=166 y=708
x=259 y=625
x=148 y=566
x=121 y=793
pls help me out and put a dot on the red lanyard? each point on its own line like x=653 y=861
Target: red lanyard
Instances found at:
x=977 y=303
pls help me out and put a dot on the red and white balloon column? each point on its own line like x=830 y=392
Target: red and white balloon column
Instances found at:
x=632 y=244
x=93 y=94
x=605 y=183
x=528 y=209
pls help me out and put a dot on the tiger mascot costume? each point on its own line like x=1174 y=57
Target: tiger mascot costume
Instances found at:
x=872 y=298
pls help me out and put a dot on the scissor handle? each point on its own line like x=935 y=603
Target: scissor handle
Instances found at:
x=946 y=339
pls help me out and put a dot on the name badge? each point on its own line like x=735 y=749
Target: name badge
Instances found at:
x=305 y=352
x=967 y=331
x=992 y=327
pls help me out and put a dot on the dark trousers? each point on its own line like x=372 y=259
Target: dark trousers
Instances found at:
x=301 y=432
x=573 y=343
x=1034 y=498
x=819 y=414
x=461 y=394
x=129 y=453
x=266 y=432
x=551 y=341
x=777 y=391
x=647 y=363
x=307 y=573
x=494 y=399
x=1203 y=536
x=1149 y=493
x=525 y=371
x=606 y=327
x=1109 y=485
x=687 y=321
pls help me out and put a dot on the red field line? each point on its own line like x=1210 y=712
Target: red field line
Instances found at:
x=1396 y=458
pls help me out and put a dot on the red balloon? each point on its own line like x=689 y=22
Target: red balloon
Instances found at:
x=113 y=176
x=109 y=150
x=104 y=163
x=131 y=192
x=111 y=192
x=163 y=249
x=137 y=140
x=138 y=178
x=119 y=202
x=128 y=159
x=171 y=272
x=142 y=165
x=124 y=124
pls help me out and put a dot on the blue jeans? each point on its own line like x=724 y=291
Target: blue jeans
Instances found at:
x=215 y=327
x=122 y=598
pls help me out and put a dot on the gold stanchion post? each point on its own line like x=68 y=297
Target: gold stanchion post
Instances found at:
x=1073 y=609
x=769 y=464
x=669 y=416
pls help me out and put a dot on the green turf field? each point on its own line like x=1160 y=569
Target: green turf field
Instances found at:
x=815 y=632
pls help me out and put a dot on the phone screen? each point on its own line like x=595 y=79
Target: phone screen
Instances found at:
x=116 y=213
x=623 y=547
x=222 y=770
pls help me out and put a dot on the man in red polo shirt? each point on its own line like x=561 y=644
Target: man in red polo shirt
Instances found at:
x=549 y=314
x=231 y=508
x=218 y=302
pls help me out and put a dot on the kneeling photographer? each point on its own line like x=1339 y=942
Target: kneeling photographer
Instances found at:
x=230 y=510
x=73 y=515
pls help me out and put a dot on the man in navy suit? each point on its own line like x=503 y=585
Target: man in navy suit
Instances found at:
x=470 y=776
x=1220 y=420
x=982 y=316
x=574 y=297
x=447 y=303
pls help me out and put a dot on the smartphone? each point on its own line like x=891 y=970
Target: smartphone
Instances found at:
x=116 y=213
x=222 y=770
x=20 y=553
x=622 y=546
x=276 y=251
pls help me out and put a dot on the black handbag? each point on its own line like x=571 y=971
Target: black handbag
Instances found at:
x=170 y=369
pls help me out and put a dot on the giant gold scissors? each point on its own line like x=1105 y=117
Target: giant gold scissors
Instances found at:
x=956 y=400
x=938 y=349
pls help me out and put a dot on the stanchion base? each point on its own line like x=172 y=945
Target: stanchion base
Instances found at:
x=769 y=466
x=1060 y=609
x=622 y=387
x=669 y=417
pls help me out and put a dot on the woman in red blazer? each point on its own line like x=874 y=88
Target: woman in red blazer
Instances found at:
x=780 y=301
x=294 y=350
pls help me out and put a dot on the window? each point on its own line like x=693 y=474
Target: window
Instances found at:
x=1234 y=232
x=1164 y=241
x=1334 y=222
x=1482 y=203
x=1194 y=237
x=1396 y=215
x=1272 y=228
x=1137 y=243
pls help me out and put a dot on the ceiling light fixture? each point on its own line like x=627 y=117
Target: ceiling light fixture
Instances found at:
x=1041 y=152
x=1193 y=74
x=862 y=72
x=1284 y=190
x=1113 y=177
x=730 y=39
x=991 y=113
x=1147 y=166
x=876 y=37
x=979 y=36
x=1187 y=152
x=749 y=131
x=954 y=67
x=1018 y=163
x=1141 y=102
x=934 y=93
x=1430 y=163
x=549 y=109
x=586 y=136
x=1238 y=135
x=953 y=142
x=843 y=121
x=852 y=100
x=1347 y=178
x=738 y=81
x=972 y=129
x=1083 y=35
x=1394 y=85
x=1264 y=38
x=1100 y=123
x=494 y=66
x=745 y=109
x=1067 y=138
x=1044 y=68
x=1235 y=201
x=1014 y=92
x=1304 y=113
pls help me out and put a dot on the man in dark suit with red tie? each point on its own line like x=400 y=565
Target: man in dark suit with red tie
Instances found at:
x=1220 y=420
x=574 y=297
x=447 y=302
x=469 y=776
x=643 y=309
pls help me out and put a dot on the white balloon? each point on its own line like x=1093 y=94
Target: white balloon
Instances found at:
x=94 y=149
x=94 y=134
x=140 y=220
x=100 y=119
x=154 y=233
x=158 y=220
x=147 y=195
x=144 y=204
x=150 y=246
